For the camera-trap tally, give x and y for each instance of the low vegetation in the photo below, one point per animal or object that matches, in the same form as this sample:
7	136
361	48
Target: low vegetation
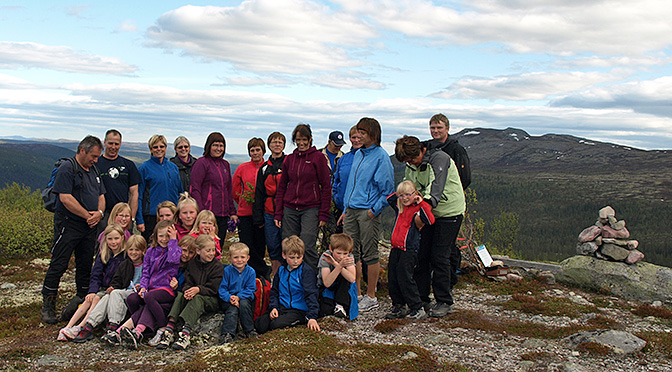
26	228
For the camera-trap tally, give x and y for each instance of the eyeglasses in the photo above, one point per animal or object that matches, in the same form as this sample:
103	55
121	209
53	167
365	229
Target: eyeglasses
156	147
405	195
182	147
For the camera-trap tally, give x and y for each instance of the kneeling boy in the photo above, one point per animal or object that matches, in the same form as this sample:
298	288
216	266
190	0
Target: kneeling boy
294	292
236	294
336	279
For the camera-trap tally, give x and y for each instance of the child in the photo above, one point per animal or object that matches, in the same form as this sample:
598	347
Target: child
236	294
187	210
412	214
155	297
294	292
166	210
110	256
206	223
203	275
113	305
336	279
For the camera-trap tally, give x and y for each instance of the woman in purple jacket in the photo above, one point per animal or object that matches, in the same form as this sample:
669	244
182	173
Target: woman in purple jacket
303	197
211	183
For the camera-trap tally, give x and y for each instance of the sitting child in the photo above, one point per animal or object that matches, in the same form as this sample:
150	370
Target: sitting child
236	294
412	214
336	279
294	292
203	275
206	224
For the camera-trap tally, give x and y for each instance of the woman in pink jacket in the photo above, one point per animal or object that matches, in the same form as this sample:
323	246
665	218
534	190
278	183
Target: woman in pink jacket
211	182
303	198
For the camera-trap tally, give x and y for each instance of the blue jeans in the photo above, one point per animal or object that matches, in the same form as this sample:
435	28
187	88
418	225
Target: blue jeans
273	238
232	314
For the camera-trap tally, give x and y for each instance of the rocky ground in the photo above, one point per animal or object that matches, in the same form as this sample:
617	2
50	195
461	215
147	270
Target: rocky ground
493	327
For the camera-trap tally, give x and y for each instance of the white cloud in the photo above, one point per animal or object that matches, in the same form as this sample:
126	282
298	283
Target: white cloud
530	86
252	81
127	26
14	55
623	61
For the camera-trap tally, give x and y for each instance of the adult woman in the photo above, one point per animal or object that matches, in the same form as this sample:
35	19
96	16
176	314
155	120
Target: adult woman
263	210
159	181
244	182
342	171
211	182
303	198
183	160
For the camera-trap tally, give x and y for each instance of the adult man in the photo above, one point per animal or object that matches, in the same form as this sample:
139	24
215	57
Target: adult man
438	128
79	208
436	178
332	151
119	175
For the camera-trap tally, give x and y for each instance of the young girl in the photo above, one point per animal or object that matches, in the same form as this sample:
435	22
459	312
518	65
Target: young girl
187	209
113	305
206	223
166	211
110	256
155	297
412	214
120	215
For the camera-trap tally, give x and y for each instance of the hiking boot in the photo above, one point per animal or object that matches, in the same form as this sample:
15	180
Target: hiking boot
339	312
71	332
182	342
154	341
398	312
226	338
166	339
440	310
429	305
49	309
130	338
367	304
71	308
417	314
111	338
252	334
84	335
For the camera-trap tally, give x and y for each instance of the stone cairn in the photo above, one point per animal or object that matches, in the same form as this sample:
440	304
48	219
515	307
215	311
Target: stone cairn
607	239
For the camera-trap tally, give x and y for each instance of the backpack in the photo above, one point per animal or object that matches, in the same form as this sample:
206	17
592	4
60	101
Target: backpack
49	197
262	296
461	159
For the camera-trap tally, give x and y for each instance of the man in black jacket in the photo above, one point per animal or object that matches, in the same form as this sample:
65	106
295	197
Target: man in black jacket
438	128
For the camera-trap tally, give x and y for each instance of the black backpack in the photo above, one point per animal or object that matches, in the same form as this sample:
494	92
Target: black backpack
49	197
461	159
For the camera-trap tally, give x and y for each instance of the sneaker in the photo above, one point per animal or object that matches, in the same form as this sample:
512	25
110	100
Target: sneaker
130	338
398	312
111	338
252	334
154	341
440	310
61	335
367	304
182	341
429	305
83	336
339	312
71	333
417	314
226	338
167	338
359	298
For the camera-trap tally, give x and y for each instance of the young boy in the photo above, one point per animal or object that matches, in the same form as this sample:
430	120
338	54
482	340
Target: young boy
236	294
336	279
294	292
202	277
412	214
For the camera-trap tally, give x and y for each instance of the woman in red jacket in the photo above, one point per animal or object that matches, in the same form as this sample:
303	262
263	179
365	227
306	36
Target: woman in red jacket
244	183
303	198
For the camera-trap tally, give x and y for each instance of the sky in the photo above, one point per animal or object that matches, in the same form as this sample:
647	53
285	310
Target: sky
597	69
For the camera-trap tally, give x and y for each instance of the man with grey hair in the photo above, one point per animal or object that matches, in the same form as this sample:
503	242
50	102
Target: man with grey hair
79	208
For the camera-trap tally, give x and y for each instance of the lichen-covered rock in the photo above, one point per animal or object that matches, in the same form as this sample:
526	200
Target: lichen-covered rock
618	225
609	232
614	251
606	212
642	281
586	249
589	234
634	257
619	342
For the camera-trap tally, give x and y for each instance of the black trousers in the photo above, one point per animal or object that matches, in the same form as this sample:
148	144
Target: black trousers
401	285
255	239
286	318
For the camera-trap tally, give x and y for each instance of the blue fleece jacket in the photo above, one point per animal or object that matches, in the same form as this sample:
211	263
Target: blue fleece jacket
296	289
234	282
159	181
102	273
371	180
341	175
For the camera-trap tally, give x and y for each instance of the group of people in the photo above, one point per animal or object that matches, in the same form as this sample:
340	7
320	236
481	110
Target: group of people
183	207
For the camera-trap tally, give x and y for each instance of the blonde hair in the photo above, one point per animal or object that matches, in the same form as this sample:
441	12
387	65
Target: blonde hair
167	204
118	208
405	187
137	241
239	247
105	251
153	140
153	239
293	245
203	215
342	242
188	242
202	240
185	200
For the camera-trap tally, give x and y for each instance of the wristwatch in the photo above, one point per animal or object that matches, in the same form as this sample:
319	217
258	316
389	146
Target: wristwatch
102	214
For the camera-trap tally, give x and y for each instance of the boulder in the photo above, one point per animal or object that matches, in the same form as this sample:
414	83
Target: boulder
606	212
614	252
619	342
609	232
586	249
618	225
634	257
642	281
589	234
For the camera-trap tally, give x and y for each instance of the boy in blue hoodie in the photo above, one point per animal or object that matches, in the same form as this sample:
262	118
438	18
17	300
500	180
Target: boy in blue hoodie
293	298
236	294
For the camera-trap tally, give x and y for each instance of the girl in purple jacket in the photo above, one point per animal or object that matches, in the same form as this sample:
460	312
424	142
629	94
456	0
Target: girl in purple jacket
155	297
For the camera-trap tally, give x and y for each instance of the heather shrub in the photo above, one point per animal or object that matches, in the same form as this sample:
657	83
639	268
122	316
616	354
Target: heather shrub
26	228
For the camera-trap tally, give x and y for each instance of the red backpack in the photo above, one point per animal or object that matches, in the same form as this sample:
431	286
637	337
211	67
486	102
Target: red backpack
262	295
